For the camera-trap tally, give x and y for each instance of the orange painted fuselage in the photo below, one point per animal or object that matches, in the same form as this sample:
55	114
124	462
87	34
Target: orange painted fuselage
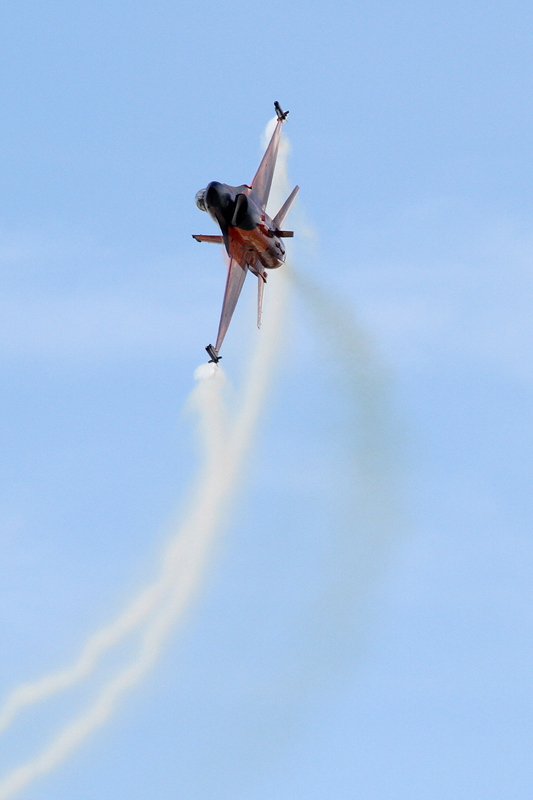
259	244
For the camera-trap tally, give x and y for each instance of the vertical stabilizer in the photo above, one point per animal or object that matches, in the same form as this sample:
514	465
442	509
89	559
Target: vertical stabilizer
279	219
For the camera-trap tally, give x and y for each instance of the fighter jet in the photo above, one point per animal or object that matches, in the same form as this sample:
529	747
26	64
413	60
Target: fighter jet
251	238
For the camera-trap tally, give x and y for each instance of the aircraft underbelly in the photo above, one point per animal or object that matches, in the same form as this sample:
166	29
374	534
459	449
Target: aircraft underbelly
250	246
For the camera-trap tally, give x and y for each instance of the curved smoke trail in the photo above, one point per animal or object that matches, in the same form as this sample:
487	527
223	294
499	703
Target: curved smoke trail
226	444
207	400
224	461
373	516
328	634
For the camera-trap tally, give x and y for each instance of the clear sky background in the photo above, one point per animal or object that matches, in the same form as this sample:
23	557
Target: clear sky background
410	127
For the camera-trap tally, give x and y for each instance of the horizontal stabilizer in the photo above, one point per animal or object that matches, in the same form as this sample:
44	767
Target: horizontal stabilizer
213	239
279	219
285	234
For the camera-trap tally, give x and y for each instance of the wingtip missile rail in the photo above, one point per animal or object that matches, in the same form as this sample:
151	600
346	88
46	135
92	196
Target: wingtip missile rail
282	115
215	358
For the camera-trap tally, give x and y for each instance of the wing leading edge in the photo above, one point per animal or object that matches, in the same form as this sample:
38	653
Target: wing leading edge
263	177
234	282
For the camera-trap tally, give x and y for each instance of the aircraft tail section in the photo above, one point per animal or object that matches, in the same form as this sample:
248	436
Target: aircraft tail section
279	219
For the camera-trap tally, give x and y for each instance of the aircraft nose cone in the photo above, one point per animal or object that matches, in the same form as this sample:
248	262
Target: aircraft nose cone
200	200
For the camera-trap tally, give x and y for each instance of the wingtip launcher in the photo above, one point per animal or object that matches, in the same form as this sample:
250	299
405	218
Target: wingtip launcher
215	358
282	115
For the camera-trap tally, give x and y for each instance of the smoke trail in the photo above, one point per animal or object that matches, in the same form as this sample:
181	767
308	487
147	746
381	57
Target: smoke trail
326	637
226	444
210	407
214	429
209	505
373	514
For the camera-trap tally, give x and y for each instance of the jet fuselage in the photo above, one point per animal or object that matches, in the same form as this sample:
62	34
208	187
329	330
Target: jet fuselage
252	239
249	233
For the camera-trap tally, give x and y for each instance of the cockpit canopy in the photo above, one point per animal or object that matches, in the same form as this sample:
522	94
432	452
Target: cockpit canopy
200	200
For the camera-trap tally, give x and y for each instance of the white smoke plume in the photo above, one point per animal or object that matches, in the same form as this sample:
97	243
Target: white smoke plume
208	400
227	441
373	513
227	438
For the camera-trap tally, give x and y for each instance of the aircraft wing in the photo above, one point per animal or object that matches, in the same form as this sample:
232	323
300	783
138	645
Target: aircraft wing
234	282
263	178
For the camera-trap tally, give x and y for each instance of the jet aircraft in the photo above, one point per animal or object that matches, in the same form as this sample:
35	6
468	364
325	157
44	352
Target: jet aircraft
251	238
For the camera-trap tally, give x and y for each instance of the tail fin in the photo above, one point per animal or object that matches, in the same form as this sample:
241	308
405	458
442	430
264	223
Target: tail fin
279	219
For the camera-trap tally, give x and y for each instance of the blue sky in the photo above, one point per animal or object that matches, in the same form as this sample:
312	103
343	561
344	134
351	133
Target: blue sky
410	133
